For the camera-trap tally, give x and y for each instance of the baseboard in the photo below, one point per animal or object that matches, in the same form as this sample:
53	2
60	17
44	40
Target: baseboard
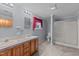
67	45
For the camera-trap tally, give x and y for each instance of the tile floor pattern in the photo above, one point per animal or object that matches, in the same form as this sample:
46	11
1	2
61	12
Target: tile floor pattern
46	49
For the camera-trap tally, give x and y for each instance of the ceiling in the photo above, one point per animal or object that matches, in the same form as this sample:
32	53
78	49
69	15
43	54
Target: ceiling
44	9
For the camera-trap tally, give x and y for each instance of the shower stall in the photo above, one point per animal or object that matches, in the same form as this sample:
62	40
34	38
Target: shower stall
65	31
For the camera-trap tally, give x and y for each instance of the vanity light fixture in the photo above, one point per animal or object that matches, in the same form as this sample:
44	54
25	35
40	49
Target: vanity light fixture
8	4
6	22
27	12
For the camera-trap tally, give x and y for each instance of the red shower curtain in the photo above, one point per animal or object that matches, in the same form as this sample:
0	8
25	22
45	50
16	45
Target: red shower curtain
35	20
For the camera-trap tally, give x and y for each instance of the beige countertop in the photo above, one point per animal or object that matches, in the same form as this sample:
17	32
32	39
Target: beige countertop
14	41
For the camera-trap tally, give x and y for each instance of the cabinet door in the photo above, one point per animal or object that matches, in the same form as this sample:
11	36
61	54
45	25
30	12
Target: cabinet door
32	46
26	48
18	50
6	52
36	43
27	52
27	44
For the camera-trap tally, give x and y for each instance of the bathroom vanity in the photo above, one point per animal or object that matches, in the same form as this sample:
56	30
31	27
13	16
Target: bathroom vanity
25	46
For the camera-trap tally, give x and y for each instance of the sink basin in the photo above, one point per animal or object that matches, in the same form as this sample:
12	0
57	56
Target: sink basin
1	43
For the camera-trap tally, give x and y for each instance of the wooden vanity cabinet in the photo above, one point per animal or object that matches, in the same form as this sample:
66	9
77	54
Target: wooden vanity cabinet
27	48
7	52
22	49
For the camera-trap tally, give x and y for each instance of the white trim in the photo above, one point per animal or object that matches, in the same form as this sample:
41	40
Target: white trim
51	29
68	45
78	32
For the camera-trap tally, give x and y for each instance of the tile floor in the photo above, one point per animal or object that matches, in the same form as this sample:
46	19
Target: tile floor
46	49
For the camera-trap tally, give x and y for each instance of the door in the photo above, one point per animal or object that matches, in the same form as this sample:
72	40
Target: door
18	50
26	48
32	46
6	52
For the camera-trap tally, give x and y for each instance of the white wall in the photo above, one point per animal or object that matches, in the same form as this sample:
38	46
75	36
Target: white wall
18	20
78	31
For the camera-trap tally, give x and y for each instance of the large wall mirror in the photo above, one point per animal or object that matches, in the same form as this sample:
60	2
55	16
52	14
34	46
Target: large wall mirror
6	22
6	18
